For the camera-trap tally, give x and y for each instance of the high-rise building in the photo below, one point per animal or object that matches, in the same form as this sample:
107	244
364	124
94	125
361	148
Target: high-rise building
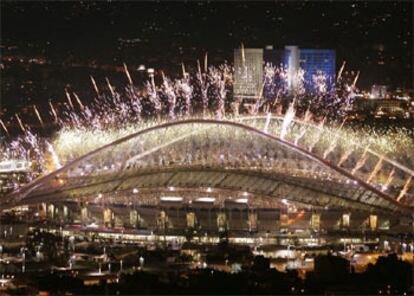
314	60
248	76
378	91
248	72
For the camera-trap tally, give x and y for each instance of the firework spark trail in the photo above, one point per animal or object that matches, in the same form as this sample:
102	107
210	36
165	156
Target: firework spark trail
34	143
38	115
268	118
4	126
300	135
405	188
153	96
334	142
318	136
307	118
283	81
111	89
52	108
289	116
301	81
389	180
183	70
55	157
115	109
170	94
95	87
127	74
259	100
345	156
203	87
69	99
198	69
186	90
340	71
221	99
276	101
376	169
206	63
220	88
331	147
270	88
361	161
20	123
79	101
134	100
355	81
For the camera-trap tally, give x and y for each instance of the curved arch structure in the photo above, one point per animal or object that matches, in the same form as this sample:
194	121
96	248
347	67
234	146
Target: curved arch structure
301	123
194	158
381	171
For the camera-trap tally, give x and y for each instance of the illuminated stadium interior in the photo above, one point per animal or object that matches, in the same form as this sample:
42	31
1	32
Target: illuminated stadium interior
199	162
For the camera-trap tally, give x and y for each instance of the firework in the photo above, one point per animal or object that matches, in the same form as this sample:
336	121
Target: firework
20	123
95	87
405	188
38	115
69	99
389	179
169	92
289	116
361	161
127	74
52	108
376	169
340	71
4	127
268	117
355	80
116	113
78	100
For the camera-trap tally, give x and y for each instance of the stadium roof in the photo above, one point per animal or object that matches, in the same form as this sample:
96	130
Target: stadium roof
197	158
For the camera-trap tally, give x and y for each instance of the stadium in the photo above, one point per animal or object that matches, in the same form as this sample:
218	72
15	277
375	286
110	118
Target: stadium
251	177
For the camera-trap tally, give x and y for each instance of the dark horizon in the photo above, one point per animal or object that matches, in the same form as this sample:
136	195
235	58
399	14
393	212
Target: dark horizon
372	37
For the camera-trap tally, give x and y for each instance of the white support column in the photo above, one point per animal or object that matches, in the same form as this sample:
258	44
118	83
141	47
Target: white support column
252	217
316	221
162	220
221	221
51	211
84	215
133	218
191	220
108	217
373	222
346	220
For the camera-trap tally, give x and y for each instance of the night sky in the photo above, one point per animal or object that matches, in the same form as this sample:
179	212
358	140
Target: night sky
374	37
